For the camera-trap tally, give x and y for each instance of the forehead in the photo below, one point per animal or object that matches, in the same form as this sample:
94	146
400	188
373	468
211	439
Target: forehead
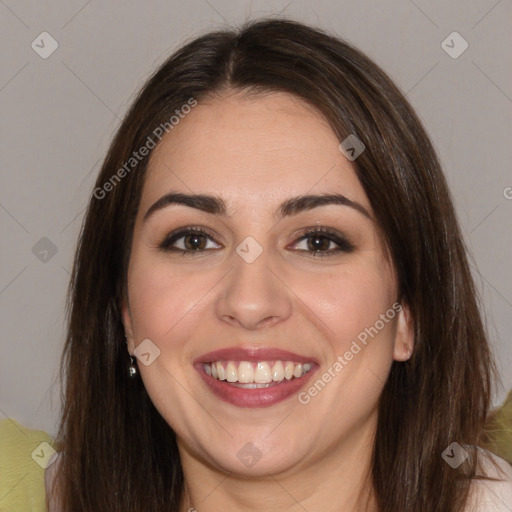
255	151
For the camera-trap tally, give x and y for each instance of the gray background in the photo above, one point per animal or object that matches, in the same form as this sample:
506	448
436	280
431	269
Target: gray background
59	114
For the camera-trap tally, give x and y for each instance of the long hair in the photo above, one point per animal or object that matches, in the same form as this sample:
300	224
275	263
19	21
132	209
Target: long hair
118	454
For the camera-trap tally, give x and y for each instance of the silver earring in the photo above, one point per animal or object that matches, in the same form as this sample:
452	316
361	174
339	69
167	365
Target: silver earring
132	370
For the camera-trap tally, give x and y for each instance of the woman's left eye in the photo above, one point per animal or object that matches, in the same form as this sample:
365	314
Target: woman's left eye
318	242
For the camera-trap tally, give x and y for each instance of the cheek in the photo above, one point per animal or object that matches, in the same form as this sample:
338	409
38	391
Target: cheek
357	308
164	301
348	301
166	308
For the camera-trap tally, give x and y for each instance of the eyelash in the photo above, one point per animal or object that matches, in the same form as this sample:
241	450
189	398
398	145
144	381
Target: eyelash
319	232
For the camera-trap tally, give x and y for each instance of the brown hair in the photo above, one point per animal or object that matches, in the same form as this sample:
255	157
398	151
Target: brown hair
118	452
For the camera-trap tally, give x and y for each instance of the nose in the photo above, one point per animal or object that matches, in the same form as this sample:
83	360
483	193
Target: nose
253	294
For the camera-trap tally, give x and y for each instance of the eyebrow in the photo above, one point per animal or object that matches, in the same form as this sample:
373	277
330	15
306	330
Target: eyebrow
215	205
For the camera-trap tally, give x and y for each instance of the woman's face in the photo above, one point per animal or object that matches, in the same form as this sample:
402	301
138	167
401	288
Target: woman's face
301	329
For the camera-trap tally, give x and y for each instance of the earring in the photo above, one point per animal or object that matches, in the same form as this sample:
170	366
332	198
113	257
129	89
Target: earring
132	370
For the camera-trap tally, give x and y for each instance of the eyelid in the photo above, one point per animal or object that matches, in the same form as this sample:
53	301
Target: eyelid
165	244
343	243
341	240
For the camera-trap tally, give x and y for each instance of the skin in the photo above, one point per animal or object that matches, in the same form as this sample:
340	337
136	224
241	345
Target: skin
256	152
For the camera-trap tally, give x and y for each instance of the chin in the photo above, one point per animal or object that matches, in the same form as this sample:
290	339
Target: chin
254	456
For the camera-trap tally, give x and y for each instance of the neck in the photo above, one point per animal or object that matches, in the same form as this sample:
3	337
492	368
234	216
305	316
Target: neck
337	480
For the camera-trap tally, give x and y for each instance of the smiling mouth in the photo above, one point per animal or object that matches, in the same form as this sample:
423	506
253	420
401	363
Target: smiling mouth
256	374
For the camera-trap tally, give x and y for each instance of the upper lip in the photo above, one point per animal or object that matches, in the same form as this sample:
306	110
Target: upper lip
253	354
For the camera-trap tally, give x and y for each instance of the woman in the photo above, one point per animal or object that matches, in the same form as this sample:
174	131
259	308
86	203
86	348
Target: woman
271	305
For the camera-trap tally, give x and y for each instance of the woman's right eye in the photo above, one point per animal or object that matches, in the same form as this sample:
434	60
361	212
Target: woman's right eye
188	241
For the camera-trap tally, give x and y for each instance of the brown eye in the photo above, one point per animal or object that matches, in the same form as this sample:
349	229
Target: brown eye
324	242
188	241
318	243
194	242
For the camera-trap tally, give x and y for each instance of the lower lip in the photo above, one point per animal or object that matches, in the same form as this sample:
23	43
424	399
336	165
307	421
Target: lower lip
260	397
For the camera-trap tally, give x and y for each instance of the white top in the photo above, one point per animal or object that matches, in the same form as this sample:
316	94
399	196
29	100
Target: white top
488	495
485	495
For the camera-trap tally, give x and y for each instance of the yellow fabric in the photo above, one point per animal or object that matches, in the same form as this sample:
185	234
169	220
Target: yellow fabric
499	430
24	453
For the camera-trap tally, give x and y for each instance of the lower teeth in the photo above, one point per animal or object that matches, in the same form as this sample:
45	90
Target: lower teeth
252	385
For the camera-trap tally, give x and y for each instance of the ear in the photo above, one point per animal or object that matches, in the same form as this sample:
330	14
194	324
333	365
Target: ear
127	322
404	340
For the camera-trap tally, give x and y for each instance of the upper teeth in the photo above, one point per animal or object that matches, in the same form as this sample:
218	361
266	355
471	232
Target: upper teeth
260	372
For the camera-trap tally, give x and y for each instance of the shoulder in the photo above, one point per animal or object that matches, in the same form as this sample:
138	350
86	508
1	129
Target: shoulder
491	495
23	457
